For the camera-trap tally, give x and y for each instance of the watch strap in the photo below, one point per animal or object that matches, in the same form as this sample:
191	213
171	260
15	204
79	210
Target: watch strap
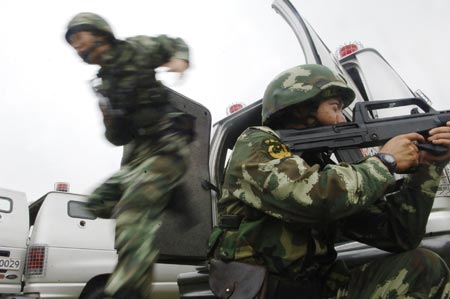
388	160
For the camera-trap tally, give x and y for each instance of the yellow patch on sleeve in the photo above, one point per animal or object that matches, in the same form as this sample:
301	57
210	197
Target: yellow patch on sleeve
276	149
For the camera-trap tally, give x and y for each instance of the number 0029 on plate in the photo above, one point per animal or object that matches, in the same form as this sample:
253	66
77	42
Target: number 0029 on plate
7	263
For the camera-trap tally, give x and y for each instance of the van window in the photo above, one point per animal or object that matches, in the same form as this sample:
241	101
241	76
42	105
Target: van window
5	205
77	209
374	77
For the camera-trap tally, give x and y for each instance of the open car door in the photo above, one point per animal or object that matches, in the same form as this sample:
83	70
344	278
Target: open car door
187	222
365	70
315	51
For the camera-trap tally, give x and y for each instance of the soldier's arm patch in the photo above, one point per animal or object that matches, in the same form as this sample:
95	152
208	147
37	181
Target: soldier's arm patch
276	149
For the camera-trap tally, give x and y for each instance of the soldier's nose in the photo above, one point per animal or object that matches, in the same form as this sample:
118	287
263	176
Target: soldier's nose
341	118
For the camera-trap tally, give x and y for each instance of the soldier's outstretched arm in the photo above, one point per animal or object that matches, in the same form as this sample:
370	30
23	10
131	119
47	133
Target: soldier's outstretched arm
177	52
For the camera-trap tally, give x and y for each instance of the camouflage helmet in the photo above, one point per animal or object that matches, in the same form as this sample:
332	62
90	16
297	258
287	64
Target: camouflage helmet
88	21
303	84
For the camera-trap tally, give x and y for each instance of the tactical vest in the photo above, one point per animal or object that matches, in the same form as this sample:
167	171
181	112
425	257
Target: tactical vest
136	102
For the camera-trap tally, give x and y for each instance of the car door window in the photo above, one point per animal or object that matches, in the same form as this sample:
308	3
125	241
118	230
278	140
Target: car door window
77	209
5	205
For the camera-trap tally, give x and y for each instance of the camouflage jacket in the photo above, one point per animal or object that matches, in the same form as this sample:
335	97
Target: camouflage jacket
132	99
290	210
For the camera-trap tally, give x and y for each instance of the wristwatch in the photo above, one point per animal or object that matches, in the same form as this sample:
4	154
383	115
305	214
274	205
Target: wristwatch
388	160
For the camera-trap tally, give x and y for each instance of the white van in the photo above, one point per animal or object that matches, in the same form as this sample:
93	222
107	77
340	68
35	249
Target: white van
13	223
67	253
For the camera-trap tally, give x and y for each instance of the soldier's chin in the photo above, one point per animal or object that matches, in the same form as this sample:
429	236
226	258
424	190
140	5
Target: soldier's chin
87	57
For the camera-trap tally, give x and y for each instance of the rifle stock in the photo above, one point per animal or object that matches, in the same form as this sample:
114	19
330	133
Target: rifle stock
365	131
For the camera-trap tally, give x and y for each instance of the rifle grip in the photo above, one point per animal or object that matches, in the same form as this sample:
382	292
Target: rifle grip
434	149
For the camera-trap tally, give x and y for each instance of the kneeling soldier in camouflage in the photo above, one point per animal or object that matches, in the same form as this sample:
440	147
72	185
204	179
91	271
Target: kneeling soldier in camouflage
281	213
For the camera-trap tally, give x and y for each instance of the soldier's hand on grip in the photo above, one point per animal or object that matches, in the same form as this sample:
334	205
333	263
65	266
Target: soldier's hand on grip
440	136
404	150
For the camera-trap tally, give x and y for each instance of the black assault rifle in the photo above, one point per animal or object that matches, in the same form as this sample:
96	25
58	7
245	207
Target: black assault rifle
366	131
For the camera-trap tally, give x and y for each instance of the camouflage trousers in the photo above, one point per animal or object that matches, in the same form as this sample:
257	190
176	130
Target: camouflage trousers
136	197
418	273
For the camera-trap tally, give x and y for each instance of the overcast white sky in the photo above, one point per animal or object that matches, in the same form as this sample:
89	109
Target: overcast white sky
49	121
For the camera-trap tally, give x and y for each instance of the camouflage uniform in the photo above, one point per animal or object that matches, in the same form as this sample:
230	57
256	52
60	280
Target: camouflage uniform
293	208
137	114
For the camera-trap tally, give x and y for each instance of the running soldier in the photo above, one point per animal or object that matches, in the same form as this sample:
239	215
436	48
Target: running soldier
156	136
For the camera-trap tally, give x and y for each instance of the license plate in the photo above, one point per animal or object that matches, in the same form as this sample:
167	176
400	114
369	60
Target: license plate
7	263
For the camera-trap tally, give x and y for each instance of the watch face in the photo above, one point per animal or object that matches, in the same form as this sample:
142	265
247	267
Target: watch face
389	158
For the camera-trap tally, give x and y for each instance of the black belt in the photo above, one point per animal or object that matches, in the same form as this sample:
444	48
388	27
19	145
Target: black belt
230	221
